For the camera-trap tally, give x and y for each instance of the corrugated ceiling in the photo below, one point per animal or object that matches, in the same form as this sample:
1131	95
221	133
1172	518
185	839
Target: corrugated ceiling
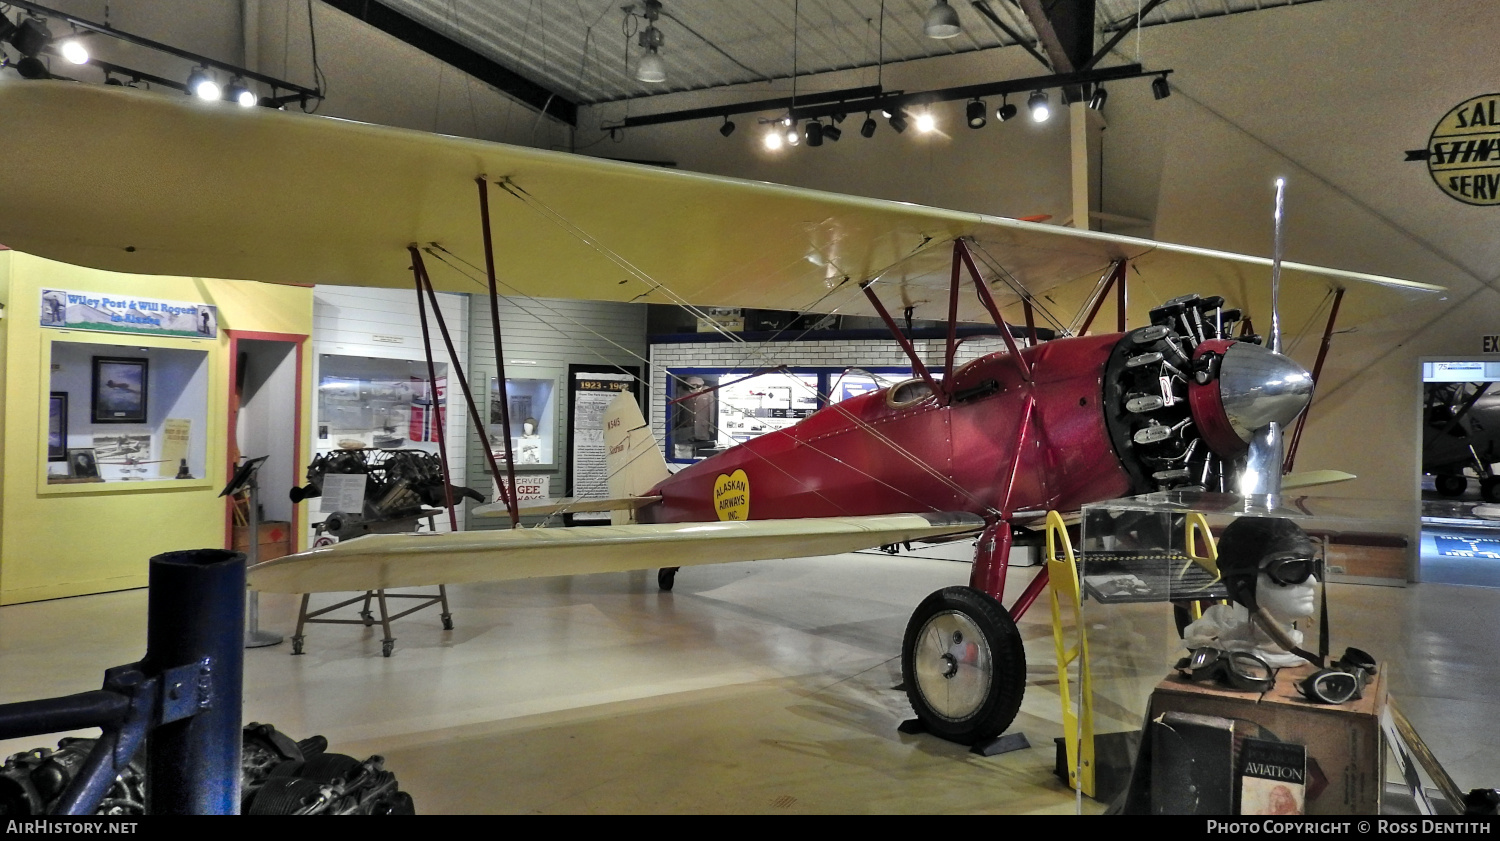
581	50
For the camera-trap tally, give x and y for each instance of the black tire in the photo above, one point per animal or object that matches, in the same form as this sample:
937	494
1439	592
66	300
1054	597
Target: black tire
975	695
1451	486
666	577
1489	489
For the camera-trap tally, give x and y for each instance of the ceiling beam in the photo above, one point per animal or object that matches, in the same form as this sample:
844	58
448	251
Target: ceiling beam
457	55
1066	30
1121	33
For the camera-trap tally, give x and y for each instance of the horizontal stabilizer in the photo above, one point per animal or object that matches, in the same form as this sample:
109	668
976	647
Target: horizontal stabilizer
1311	478
414	560
568	505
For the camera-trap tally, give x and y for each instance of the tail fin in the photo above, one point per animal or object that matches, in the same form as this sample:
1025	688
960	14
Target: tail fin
634	461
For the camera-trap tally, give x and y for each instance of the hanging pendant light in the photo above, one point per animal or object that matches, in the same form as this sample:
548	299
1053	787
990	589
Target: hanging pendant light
942	21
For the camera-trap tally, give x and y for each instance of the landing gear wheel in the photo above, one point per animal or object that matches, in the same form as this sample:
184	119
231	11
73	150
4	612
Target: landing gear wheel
447	621
1489	489
1451	486
386	647
368	617
666	577
297	644
963	665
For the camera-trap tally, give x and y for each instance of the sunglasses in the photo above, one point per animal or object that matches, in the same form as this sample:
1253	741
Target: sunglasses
1239	669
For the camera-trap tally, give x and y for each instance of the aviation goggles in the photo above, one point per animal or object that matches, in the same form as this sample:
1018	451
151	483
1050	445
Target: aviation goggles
1239	669
1342	682
1292	568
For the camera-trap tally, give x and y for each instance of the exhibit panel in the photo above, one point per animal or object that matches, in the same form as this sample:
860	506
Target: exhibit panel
752	398
713	409
115	386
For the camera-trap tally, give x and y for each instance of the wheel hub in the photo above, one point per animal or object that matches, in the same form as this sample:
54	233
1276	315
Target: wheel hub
953	666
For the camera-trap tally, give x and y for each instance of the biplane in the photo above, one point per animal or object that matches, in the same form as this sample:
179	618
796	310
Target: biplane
136	182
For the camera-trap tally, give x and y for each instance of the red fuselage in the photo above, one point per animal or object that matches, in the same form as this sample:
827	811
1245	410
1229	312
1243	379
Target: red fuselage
904	449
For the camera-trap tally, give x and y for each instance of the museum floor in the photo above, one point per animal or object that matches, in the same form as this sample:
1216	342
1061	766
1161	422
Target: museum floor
753	688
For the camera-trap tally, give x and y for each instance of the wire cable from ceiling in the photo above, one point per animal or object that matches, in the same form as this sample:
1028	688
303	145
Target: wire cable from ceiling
320	81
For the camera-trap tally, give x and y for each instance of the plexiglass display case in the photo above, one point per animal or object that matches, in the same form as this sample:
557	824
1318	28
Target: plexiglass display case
1147	566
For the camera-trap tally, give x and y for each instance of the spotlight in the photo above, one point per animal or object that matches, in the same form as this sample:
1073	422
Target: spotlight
728	127
74	51
651	69
1159	88
1100	97
202	85
793	137
898	121
31	37
832	133
942	21
7	28
975	113
868	128
237	92
814	133
1037	102
1005	111
31	67
110	80
926	123
838	117
773	140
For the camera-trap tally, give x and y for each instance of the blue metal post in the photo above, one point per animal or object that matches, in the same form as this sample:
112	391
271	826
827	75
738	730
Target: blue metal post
196	615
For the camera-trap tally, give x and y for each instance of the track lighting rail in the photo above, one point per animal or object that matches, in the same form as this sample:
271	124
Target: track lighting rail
297	92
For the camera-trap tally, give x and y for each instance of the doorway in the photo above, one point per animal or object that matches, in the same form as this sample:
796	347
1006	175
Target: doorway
265	414
1460	472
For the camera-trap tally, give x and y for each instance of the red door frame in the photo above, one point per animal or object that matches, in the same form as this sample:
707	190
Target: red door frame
299	341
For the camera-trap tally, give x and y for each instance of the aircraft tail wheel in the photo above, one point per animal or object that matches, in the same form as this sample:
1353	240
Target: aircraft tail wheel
666	577
963	665
1489	489
1451	486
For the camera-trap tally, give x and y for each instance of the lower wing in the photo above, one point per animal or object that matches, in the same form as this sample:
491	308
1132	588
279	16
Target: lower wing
379	561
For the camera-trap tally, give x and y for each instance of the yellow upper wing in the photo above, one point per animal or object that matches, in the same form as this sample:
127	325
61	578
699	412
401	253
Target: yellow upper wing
141	182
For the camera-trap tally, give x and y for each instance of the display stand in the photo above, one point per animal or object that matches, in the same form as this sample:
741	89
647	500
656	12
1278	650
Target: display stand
1344	743
367	617
244	479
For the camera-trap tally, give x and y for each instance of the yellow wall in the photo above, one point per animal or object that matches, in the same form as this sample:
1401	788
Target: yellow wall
67	540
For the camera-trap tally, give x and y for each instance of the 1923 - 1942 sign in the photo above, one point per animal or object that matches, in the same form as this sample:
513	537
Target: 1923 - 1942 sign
1463	153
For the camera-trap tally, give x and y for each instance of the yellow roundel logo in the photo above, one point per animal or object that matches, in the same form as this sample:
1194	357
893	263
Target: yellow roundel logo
1463	154
732	496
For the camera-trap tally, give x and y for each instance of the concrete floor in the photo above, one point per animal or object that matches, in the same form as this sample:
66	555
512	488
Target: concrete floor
752	688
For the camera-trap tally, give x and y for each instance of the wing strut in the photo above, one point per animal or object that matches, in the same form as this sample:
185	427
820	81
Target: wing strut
1116	276
916	361
489	268
961	253
439	421
424	284
1333	315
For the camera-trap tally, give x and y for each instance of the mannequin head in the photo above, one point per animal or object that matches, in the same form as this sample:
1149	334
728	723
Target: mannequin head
528	426
1268	562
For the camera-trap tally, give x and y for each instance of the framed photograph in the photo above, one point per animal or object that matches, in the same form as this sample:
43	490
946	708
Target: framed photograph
119	390
57	427
81	463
